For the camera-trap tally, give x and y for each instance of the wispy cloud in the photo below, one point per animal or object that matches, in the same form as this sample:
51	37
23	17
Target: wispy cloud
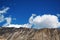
8	21
2	18
4	10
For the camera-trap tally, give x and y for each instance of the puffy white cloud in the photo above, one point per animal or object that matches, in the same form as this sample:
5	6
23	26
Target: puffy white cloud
44	21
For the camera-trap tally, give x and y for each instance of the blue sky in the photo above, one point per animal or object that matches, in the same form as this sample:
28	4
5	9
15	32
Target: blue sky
23	9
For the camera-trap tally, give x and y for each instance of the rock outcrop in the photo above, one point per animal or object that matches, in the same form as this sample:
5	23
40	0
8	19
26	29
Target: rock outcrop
29	34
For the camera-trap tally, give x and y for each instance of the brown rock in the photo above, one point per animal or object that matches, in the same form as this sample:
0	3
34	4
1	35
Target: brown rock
29	34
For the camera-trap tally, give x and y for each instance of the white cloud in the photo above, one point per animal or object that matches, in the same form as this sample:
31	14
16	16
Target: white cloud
8	21
4	10
1	18
18	25
13	25
31	18
44	21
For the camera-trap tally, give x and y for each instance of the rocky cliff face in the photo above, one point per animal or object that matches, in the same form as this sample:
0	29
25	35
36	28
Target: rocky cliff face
29	34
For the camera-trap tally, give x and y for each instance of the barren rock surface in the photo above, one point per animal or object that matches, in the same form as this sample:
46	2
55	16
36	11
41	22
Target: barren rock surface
29	34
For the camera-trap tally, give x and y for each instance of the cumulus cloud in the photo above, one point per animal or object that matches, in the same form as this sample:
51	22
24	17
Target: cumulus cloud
44	21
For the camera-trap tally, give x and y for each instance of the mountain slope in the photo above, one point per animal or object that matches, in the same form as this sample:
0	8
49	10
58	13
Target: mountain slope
29	34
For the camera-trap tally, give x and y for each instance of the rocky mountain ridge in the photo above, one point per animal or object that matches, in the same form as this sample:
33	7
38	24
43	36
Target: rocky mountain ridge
29	34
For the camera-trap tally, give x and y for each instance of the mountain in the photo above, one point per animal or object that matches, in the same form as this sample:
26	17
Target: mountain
29	34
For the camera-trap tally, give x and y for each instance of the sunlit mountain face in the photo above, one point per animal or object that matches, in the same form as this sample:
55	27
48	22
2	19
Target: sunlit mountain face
30	14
